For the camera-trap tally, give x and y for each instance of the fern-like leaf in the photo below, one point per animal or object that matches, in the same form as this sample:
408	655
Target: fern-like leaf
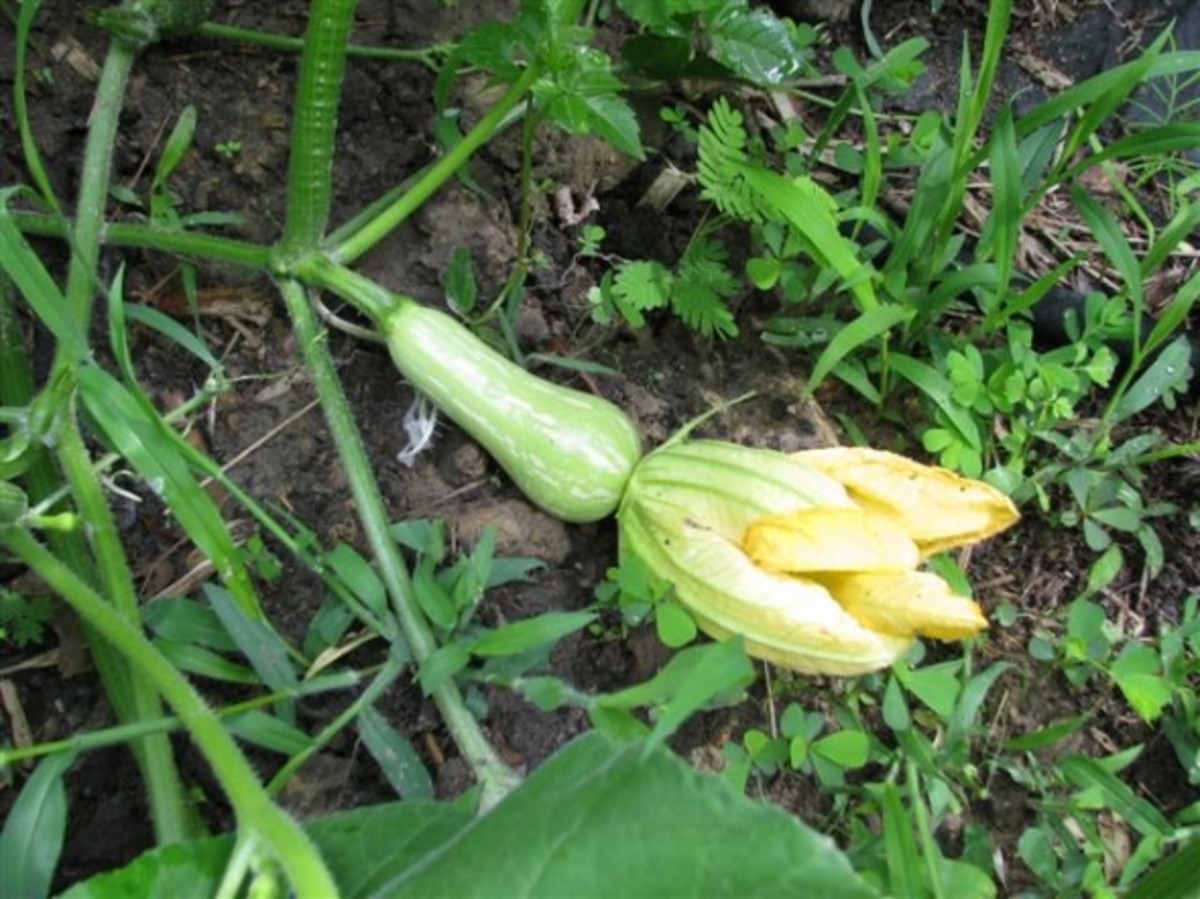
703	287
639	286
722	163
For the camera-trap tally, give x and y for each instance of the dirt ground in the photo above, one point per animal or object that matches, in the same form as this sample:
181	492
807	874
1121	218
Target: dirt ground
665	377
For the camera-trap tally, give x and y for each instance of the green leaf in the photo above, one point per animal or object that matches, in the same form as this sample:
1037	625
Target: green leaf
395	756
459	282
935	685
686	683
862	330
1169	373
1087	774
900	847
196	659
809	209
846	748
520	636
635	819
173	331
754	45
1174	878
268	731
34	830
443	663
160	456
1048	735
357	845
259	642
187	621
674	624
638	286
357	574
21	263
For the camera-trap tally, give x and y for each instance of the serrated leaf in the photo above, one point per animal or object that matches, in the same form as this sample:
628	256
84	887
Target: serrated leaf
641	285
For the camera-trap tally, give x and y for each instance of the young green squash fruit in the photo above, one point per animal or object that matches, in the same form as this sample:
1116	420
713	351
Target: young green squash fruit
571	453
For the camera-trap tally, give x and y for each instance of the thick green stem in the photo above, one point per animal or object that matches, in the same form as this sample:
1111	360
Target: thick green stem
132	698
437	175
496	778
255	811
314	124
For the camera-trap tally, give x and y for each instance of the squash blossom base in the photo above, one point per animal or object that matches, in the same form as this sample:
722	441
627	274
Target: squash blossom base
811	557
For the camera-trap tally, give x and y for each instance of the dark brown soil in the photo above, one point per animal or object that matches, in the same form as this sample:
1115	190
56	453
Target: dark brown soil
664	377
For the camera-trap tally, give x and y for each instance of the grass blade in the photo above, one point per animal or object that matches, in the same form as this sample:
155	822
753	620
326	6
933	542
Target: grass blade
137	432
865	328
397	759
1086	774
33	833
903	860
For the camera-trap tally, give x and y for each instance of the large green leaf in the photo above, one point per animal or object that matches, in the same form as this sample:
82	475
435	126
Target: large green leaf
598	819
355	844
632	820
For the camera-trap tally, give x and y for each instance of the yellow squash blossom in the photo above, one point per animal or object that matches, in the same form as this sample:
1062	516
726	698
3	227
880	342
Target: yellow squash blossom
811	557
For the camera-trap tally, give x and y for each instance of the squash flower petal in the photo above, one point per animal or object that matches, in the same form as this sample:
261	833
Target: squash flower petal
815	573
936	507
830	539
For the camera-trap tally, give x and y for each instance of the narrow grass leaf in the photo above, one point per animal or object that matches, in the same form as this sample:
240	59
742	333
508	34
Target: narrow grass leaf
962	719
395	756
900	847
20	262
1150	143
807	207
1175	878
173	331
363	581
1175	314
521	636
1004	223
1047	736
139	434
1108	234
1087	774
199	660
34	830
862	330
268	732
1104	106
266	651
187	621
33	157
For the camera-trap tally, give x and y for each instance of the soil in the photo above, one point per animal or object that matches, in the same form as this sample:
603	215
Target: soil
665	376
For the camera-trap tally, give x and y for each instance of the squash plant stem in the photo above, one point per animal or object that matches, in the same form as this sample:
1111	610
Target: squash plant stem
133	698
495	777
